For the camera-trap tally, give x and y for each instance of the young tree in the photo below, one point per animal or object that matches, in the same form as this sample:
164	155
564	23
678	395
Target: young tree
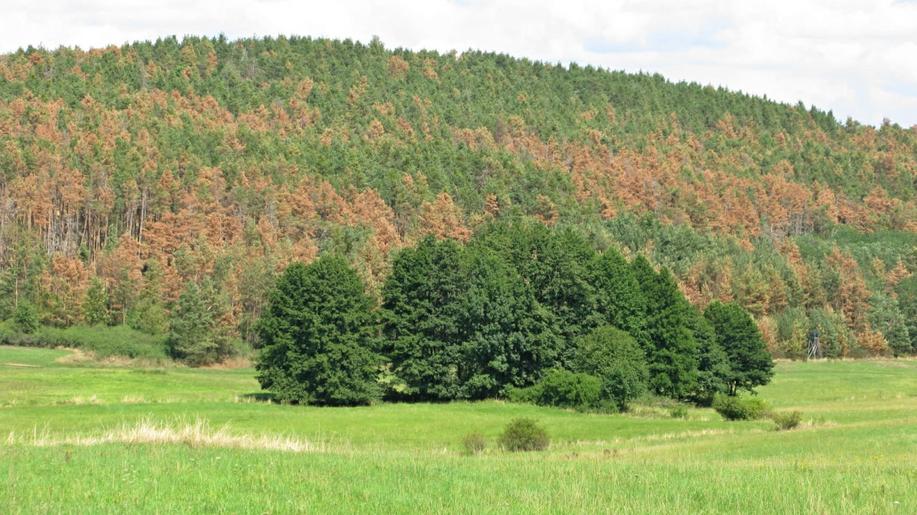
886	317
26	317
750	363
195	335
95	307
318	337
148	314
907	303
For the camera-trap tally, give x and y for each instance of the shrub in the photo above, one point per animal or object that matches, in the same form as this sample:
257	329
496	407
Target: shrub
530	395
739	408
102	341
564	389
474	443
678	412
786	420
617	360
523	434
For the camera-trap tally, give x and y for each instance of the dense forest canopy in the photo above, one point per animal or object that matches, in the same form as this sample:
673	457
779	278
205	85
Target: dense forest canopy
133	176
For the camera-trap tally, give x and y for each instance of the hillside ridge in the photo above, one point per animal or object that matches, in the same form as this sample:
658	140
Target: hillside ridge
135	170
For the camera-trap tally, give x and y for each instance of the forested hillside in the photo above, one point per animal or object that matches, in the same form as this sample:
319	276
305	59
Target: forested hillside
131	175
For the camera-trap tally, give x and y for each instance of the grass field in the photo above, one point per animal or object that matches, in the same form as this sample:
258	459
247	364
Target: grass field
80	437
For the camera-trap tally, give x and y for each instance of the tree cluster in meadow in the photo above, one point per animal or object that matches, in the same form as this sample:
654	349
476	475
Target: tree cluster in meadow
520	309
164	186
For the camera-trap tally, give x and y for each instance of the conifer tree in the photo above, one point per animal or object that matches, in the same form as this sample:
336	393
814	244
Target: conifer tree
195	334
319	338
421	311
671	347
95	307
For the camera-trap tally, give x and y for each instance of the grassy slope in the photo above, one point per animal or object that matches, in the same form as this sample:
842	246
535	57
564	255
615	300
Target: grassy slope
856	453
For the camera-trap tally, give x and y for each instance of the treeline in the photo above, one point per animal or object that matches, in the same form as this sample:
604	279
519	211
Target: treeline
138	182
517	304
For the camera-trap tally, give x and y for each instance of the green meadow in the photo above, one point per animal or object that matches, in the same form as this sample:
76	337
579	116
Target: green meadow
78	436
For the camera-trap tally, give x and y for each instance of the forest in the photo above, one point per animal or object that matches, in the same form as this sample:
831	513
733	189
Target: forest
156	192
521	311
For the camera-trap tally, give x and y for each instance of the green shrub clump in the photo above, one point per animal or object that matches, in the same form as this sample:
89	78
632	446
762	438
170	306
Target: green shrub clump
563	389
101	340
523	434
474	443
739	408
786	420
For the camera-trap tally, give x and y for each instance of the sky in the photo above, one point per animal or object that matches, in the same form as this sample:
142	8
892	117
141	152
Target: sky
857	58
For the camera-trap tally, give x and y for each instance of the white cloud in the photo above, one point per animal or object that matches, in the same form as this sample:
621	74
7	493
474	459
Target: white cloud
858	58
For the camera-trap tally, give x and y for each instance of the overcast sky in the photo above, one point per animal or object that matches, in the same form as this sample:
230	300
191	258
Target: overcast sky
855	57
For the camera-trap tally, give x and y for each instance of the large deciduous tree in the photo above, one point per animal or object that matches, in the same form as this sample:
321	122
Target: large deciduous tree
507	335
619	300
616	358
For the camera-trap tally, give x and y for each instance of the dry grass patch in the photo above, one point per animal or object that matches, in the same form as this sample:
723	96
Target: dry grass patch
196	434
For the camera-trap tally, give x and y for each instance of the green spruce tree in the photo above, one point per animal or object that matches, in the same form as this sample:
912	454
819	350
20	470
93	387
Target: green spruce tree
319	337
421	311
671	346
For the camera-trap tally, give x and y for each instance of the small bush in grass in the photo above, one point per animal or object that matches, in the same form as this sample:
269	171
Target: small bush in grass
523	434
474	443
678	411
739	408
787	420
